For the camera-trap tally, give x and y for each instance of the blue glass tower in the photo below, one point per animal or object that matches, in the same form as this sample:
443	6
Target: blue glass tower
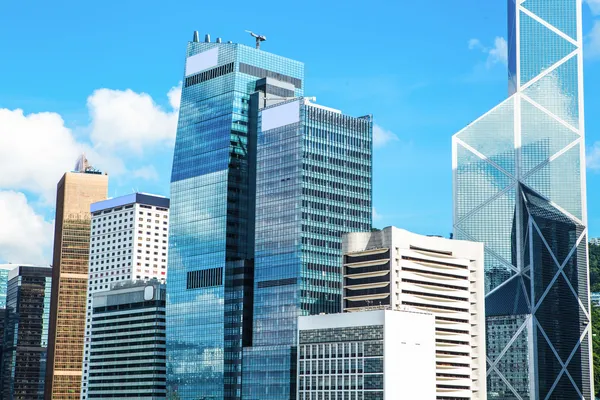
209	295
519	187
313	184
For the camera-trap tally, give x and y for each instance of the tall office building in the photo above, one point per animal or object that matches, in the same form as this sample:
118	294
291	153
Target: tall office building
209	302
396	269
26	332
313	184
128	242
4	271
519	187
75	192
127	342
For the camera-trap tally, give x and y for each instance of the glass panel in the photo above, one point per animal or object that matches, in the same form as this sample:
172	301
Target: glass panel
558	92
562	14
493	135
542	136
548	366
497	389
540	48
477	181
579	367
559	181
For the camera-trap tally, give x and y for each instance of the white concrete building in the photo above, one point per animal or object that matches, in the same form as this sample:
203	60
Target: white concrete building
128	242
395	269
370	355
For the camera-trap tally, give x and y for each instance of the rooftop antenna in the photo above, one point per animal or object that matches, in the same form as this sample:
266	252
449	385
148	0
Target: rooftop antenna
259	38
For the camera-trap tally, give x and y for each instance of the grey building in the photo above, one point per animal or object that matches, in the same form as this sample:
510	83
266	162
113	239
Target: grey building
26	332
127	349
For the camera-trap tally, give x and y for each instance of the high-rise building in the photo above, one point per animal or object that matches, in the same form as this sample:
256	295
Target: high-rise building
26	332
396	269
369	355
209	306
313	184
519	187
4	271
127	342
128	242
75	192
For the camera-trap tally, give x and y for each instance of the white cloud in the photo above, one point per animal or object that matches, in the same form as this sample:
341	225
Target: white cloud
381	136
124	119
594	6
376	215
35	150
25	237
592	159
592	49
147	172
497	54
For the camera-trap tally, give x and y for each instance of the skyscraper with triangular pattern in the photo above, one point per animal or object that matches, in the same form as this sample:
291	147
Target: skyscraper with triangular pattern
519	187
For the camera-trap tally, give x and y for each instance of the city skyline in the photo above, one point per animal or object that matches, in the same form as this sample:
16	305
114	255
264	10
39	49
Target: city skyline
419	137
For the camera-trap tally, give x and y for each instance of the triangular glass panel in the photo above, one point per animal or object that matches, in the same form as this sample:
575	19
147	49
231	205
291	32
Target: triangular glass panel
579	367
542	136
508	299
536	40
575	270
493	135
564	390
544	268
561	14
477	181
496	271
514	364
492	224
500	330
558	92
560	181
560	317
560	231
549	367
497	389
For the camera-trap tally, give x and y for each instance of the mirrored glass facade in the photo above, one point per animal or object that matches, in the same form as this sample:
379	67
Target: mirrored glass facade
26	333
211	247
313	184
519	187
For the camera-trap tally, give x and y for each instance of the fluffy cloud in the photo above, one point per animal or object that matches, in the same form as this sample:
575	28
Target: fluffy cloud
25	237
592	48
497	54
126	119
36	149
381	136
147	172
592	159
594	6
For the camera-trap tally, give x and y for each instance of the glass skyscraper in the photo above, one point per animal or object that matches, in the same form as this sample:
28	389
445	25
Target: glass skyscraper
211	248
313	184
26	332
519	187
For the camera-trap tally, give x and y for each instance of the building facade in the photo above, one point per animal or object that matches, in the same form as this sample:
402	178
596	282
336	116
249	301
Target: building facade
313	184
4	271
209	303
396	269
128	242
369	355
519	187
25	347
75	192
127	356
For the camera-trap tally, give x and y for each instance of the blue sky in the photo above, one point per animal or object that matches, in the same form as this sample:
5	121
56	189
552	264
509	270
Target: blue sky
102	77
